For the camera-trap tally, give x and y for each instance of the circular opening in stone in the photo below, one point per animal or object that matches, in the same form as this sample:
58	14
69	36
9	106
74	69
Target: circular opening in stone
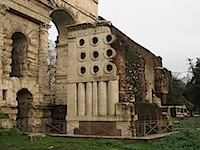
82	42
95	69
95	40
108	38
83	70
83	55
109	67
109	52
96	54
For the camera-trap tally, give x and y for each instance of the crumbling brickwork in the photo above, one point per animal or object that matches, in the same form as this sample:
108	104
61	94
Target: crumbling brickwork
138	68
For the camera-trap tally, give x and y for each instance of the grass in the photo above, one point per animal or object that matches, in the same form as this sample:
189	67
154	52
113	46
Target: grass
187	122
185	140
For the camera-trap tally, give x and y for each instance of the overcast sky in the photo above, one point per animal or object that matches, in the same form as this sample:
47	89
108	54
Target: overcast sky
168	28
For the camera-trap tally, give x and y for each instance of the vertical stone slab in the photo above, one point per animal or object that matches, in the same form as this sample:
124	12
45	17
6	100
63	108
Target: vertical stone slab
113	96
94	99
89	98
81	99
102	98
71	100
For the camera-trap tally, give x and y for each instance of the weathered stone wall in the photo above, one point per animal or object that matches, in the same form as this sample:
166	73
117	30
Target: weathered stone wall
24	41
137	69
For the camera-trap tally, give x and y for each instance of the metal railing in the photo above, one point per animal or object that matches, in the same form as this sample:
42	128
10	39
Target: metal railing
138	128
145	128
57	127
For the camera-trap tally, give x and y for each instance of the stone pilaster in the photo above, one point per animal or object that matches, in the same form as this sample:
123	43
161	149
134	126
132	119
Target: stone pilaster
113	97
3	10
43	54
95	99
102	98
89	98
81	99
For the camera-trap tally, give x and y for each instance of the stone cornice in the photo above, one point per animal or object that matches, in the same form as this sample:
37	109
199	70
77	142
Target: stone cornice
77	27
19	8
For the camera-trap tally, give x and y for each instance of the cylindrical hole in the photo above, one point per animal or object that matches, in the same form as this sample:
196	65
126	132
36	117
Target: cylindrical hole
109	67
109	53
83	70
108	38
83	55
96	54
95	69
95	40
81	42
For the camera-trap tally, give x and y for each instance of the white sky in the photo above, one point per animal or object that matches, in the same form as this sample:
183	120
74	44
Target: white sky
168	28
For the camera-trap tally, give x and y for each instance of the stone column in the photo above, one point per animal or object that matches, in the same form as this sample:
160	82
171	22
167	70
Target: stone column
102	98
43	55
94	99
71	100
81	99
113	96
89	98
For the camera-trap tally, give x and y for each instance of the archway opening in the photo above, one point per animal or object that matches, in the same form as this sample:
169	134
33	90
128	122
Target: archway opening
61	19
19	52
24	98
53	34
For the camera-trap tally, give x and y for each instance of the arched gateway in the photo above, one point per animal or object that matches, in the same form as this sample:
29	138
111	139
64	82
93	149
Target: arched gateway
106	84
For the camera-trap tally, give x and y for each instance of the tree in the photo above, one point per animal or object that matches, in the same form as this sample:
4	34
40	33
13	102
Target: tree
177	91
192	92
52	64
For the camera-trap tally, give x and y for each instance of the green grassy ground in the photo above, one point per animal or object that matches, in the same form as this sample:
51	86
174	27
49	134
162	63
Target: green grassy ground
185	140
187	122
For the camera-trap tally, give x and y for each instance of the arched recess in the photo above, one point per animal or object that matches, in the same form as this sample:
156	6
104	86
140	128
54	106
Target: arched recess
24	98
19	52
61	19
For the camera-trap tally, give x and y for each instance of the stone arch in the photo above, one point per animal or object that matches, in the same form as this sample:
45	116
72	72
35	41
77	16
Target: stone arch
24	99
28	84
19	54
61	19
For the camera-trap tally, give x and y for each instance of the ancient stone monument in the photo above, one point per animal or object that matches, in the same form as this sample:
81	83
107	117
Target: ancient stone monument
105	82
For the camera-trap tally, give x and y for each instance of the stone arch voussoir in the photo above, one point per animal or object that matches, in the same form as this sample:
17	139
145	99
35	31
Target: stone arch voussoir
25	83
